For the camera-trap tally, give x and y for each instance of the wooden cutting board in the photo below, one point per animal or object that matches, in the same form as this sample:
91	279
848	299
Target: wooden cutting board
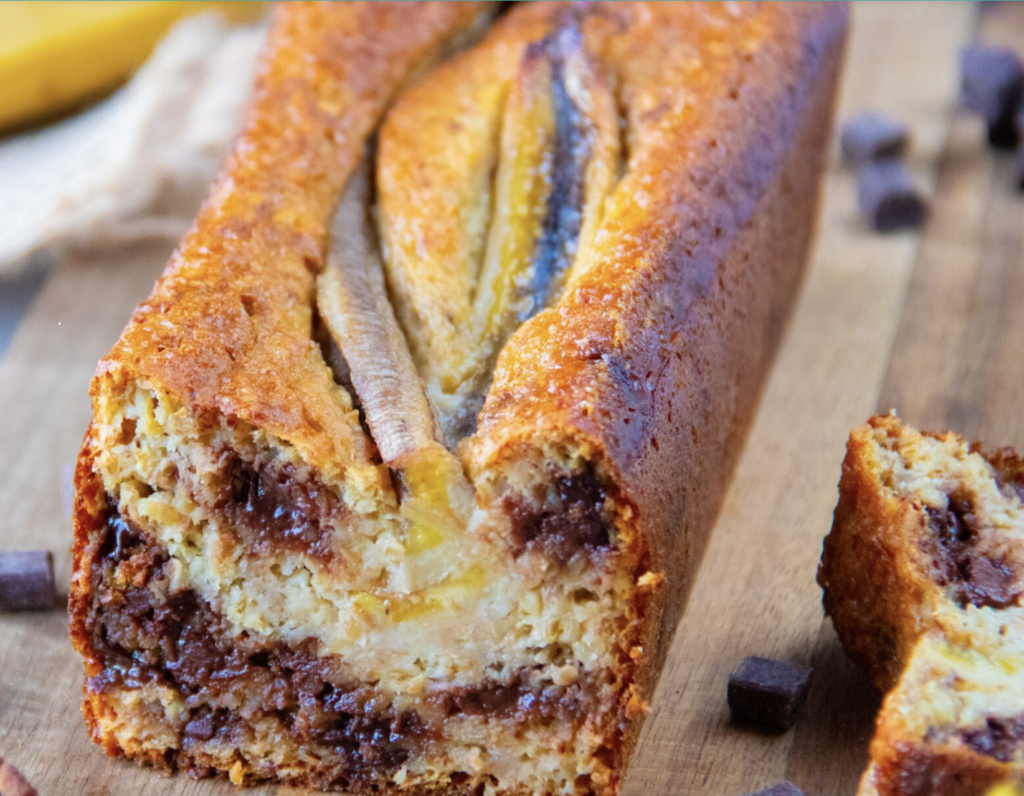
930	323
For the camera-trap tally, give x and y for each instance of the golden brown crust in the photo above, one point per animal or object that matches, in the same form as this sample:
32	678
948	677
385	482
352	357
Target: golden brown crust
650	364
877	573
228	326
903	767
875	590
87	524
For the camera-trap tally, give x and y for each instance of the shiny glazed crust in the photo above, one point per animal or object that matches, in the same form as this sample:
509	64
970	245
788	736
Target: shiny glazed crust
632	390
922	579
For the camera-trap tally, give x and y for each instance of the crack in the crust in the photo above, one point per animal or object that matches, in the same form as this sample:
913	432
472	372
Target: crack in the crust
336	363
557	155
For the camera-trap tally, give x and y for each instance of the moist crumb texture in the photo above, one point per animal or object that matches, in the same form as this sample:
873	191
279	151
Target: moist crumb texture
923	574
398	480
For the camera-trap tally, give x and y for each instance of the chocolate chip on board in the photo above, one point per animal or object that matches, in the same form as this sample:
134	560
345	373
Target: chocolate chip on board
767	693
872	136
782	789
992	85
887	197
1003	133
12	783
1018	165
26	580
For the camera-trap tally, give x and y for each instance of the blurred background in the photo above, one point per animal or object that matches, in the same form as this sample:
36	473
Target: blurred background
114	118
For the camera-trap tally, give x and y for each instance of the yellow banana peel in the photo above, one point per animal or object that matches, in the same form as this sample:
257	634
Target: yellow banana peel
1008	788
55	55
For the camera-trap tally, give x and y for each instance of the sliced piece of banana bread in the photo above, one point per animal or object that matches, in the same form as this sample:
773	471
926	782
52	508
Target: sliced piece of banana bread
923	574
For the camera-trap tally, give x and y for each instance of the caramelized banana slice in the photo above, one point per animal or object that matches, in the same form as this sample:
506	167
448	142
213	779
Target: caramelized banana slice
522	245
559	153
559	160
354	305
493	175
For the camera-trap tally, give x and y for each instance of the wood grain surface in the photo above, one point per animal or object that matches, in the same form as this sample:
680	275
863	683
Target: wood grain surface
930	323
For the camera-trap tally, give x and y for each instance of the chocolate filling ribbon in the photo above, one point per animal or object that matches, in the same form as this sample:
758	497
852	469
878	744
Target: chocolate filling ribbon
182	643
578	524
972	576
279	512
1000	738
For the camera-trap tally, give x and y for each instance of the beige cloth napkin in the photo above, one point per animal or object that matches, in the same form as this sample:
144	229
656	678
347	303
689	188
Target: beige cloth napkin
139	163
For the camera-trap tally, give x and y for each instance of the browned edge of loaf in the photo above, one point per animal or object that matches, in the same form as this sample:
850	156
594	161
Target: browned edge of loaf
879	585
767	261
655	362
656	359
905	768
874	589
227	328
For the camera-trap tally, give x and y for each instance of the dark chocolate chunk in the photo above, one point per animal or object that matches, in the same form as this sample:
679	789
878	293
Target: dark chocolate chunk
782	789
1000	738
969	574
992	85
990	583
768	693
1003	133
201	727
276	509
26	580
888	198
13	782
872	136
991	81
1018	170
578	524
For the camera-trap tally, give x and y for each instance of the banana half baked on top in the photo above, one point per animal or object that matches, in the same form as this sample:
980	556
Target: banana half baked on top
398	480
923	575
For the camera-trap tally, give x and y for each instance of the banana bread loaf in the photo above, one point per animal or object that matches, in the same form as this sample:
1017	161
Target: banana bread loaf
399	479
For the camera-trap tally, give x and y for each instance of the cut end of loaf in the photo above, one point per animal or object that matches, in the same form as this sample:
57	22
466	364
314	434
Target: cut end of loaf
249	615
